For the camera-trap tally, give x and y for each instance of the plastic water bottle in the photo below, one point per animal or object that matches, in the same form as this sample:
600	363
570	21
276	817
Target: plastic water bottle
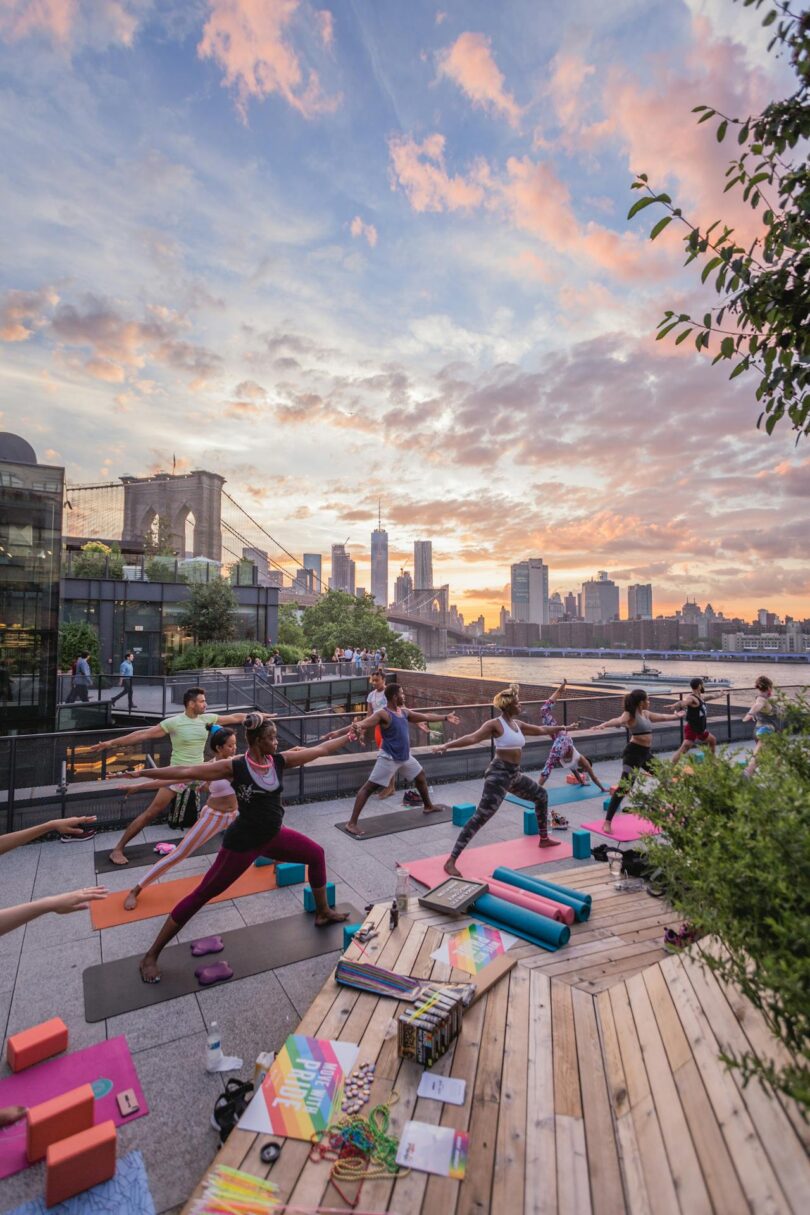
403	889
213	1048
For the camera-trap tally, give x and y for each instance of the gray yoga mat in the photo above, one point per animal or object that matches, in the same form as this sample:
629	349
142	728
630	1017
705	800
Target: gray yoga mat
117	987
401	820
140	855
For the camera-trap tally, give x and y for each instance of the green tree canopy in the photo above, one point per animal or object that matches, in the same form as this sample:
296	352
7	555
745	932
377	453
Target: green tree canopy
340	619
290	630
210	612
759	314
75	636
98	560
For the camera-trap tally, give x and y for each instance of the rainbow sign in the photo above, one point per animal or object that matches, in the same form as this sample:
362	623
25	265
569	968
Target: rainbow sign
303	1088
473	947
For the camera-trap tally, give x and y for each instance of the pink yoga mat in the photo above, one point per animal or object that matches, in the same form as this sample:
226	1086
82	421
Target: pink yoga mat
626	827
532	902
107	1066
478	863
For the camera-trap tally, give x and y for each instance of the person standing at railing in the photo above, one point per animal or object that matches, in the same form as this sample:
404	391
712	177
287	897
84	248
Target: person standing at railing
188	734
126	672
82	679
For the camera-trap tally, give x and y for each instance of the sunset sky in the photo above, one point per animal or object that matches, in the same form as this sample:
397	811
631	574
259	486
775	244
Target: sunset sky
377	249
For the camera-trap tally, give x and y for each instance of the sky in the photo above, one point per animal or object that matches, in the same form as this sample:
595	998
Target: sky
376	251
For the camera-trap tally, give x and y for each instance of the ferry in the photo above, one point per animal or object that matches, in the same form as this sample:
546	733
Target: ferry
653	677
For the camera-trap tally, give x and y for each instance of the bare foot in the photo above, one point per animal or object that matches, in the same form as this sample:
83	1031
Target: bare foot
353	829
131	901
12	1114
117	857
149	969
607	827
330	916
452	868
433	809
548	843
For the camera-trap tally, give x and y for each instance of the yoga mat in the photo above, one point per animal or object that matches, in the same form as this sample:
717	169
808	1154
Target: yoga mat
626	827
401	820
532	902
127	1193
478	863
160	897
526	924
117	987
558	795
144	854
581	904
107	1066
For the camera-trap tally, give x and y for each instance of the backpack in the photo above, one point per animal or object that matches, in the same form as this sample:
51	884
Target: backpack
184	808
634	863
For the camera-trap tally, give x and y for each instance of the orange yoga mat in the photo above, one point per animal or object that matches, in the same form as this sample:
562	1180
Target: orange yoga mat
160	897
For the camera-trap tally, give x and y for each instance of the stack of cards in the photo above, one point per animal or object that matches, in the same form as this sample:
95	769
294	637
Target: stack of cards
427	1030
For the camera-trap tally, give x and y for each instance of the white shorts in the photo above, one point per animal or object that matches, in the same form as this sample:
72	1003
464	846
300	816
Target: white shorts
386	769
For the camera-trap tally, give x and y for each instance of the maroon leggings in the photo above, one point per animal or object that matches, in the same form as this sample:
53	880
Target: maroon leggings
287	845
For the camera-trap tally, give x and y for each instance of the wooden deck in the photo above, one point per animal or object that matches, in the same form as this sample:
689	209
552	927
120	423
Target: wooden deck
593	1081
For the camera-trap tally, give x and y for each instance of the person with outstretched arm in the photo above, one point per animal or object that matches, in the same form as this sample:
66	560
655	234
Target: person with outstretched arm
638	720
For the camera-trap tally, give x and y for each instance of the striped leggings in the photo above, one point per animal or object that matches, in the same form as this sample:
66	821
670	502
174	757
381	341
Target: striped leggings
209	824
501	778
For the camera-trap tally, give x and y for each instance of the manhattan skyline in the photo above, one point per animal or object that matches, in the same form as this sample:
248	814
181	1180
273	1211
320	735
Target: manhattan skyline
375	253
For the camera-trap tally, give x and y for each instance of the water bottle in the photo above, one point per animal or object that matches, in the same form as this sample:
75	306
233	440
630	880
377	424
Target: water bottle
213	1048
403	889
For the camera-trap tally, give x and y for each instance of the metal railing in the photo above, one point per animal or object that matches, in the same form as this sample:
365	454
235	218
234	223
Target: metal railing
44	774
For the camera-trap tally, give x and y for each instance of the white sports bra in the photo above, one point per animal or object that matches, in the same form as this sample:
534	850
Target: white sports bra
220	788
511	739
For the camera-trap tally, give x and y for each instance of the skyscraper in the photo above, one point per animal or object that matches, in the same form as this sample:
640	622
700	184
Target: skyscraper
570	603
312	561
530	591
379	564
556	611
343	570
422	565
600	599
403	587
639	601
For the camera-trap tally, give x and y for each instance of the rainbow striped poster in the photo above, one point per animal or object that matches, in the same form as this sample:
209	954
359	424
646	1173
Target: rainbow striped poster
303	1089
471	948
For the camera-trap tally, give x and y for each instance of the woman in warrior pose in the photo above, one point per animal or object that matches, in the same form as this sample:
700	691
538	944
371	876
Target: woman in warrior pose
257	780
217	814
503	774
637	719
763	712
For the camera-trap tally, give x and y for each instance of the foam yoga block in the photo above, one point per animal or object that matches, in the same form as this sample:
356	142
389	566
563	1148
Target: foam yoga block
56	1119
581	842
558	795
527	924
530	826
264	860
309	897
532	902
206	945
40	1042
348	933
581	903
214	972
290	873
80	1162
462	813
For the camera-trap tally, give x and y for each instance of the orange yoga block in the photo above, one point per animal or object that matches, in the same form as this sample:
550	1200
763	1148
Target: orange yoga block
57	1119
77	1163
39	1042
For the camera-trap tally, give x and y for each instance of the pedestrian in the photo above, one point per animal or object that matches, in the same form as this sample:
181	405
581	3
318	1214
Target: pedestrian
126	672
82	678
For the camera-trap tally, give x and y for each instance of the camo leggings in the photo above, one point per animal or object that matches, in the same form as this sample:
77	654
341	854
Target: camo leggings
501	778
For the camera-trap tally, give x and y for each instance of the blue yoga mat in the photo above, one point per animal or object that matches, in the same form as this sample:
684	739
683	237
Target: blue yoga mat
538	929
127	1193
581	903
558	795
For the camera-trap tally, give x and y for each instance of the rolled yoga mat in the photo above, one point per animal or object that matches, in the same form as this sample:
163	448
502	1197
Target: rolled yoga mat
547	890
532	902
538	929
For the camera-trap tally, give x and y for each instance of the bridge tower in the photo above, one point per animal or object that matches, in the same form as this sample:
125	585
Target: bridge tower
189	505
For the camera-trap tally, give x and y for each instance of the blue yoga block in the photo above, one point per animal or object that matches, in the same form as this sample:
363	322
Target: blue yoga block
348	932
462	813
697	756
264	860
581	841
309	898
530	823
290	873
606	804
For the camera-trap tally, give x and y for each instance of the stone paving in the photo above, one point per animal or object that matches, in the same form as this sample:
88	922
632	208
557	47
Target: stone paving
41	967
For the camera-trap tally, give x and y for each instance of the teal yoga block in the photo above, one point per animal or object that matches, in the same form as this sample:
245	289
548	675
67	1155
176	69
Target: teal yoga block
290	873
581	841
530	826
605	804
264	860
462	813
309	898
697	756
348	933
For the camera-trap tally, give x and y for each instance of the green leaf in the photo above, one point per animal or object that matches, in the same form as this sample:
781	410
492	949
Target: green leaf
772	15
659	227
682	336
707	321
640	205
721	131
706	116
697	109
739	369
663	332
707	269
727	347
743	135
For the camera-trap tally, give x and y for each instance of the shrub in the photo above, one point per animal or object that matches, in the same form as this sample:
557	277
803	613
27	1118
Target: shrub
75	637
98	560
228	654
736	863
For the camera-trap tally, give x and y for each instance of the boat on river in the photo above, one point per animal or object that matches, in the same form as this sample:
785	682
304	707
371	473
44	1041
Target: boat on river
652	677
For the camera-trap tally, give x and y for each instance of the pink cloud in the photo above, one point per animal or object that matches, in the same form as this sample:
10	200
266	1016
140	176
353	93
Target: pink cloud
65	22
360	229
23	313
469	63
419	168
248	40
326	26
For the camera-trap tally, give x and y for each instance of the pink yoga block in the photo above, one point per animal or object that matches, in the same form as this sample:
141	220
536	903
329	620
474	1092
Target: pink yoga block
80	1162
40	1042
532	902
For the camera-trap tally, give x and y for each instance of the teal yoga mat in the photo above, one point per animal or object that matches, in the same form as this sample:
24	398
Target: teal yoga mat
558	795
581	903
538	929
